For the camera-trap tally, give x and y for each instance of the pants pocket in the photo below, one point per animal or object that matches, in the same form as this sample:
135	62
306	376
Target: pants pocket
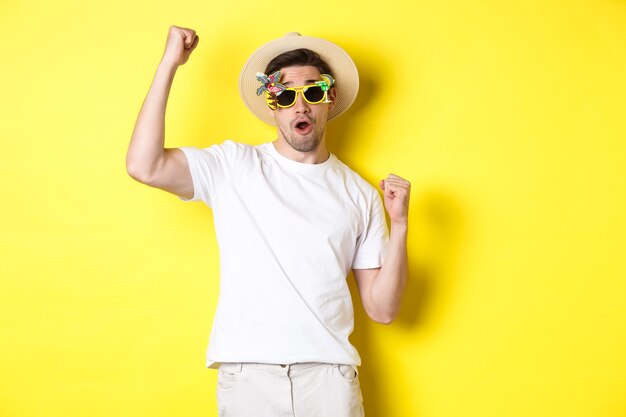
348	372
228	374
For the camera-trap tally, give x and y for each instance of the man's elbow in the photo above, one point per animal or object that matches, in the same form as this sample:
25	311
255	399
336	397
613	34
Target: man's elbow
137	172
139	177
383	318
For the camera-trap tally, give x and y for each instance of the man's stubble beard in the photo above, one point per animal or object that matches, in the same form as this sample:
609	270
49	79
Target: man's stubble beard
306	143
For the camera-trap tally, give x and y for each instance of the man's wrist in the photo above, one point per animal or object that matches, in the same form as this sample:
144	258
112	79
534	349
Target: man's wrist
168	65
399	225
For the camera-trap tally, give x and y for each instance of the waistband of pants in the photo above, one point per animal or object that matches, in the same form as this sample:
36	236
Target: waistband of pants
275	368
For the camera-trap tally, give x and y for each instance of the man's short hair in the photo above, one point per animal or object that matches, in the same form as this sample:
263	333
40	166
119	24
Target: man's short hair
298	57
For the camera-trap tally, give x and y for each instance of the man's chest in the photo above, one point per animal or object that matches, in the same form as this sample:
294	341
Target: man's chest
299	212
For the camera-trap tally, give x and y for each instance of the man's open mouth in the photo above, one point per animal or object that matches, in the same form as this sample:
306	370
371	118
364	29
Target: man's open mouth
303	127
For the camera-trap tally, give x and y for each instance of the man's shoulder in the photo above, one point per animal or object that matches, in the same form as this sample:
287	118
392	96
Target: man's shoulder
235	145
243	148
226	148
354	178
228	153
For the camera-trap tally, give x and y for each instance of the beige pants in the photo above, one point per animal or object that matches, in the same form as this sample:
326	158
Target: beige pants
295	390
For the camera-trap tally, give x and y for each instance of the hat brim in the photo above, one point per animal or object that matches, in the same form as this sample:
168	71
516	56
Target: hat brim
342	68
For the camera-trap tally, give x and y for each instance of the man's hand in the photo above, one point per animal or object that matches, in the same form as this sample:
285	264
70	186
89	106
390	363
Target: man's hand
180	44
396	192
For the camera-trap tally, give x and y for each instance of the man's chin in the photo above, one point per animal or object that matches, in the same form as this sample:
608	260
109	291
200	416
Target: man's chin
307	145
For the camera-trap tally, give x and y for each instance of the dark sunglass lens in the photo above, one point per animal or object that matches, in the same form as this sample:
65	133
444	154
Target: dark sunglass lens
314	94
286	97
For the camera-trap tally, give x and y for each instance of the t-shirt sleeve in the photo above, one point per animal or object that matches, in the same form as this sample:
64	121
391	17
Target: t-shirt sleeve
372	243
210	167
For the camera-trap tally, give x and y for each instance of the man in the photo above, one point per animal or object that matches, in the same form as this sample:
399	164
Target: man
291	221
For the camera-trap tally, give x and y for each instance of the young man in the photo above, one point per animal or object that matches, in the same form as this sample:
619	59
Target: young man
291	221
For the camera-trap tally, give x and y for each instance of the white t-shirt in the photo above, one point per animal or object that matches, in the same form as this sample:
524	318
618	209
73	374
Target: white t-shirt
288	235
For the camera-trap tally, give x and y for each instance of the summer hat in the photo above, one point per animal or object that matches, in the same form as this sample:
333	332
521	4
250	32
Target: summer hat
341	65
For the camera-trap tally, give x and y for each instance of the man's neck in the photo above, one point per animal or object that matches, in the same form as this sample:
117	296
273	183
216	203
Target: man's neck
316	156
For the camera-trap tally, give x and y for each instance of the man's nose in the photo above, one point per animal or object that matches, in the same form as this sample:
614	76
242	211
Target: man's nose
302	106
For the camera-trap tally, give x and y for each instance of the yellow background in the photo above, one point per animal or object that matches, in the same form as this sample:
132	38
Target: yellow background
507	118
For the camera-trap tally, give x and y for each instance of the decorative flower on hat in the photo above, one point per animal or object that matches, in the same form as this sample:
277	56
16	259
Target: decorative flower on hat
271	87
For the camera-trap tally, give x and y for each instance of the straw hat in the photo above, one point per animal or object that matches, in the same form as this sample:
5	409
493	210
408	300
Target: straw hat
341	65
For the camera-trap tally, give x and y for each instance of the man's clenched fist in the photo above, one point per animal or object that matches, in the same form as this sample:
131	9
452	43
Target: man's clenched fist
180	44
396	192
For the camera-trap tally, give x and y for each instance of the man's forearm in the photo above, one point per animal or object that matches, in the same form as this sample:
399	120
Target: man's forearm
148	139
390	282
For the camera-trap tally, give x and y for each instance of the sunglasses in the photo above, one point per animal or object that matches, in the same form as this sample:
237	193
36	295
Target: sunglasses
278	95
312	94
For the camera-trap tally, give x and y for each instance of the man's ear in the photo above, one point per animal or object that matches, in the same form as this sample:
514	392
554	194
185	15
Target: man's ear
332	96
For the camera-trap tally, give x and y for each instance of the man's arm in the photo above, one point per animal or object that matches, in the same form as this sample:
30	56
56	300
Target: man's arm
147	161
381	289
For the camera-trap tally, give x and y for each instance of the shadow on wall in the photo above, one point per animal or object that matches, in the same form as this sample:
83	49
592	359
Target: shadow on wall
438	222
